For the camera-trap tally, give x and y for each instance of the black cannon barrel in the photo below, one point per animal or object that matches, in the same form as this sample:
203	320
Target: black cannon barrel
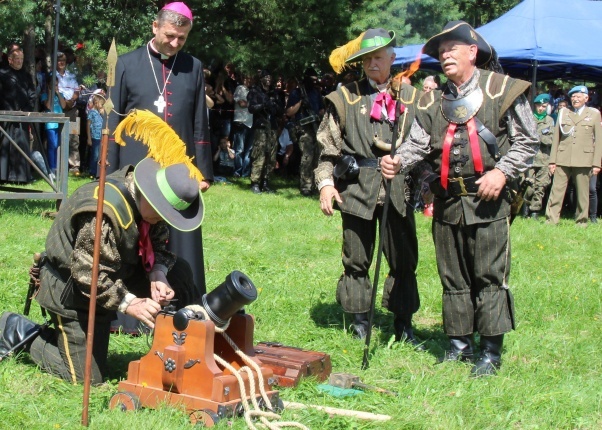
230	296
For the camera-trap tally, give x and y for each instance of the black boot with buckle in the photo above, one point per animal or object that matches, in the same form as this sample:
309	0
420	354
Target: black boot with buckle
491	356
16	333
460	349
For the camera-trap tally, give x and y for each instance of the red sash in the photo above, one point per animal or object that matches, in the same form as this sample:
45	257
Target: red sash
474	148
145	246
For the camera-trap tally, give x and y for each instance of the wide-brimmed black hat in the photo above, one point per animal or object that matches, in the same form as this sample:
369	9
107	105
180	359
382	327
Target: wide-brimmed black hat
463	32
171	192
374	39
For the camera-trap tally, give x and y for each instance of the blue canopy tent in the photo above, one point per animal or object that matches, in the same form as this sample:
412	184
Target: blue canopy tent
539	39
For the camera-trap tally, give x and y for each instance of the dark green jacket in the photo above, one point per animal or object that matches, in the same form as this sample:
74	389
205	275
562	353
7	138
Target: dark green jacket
57	290
499	93
353	104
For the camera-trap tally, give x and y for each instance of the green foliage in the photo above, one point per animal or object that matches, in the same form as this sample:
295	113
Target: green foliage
15	15
101	21
283	35
480	12
391	15
552	367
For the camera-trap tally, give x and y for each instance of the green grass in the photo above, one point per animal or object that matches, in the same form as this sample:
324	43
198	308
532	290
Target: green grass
552	372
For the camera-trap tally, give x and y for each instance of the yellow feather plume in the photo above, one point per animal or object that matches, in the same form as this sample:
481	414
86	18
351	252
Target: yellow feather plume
339	55
164	145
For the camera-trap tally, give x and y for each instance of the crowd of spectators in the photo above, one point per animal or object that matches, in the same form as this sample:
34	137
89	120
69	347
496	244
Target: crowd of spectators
231	123
20	91
230	120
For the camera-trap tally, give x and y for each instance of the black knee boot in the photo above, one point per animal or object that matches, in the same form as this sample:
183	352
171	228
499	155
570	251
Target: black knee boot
460	349
265	188
360	325
491	356
404	332
16	333
525	210
255	188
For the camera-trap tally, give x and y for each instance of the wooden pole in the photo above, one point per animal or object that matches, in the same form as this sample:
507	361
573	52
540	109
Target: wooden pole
104	143
382	227
340	412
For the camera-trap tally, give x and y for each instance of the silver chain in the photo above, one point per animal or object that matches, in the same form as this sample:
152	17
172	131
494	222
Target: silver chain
155	75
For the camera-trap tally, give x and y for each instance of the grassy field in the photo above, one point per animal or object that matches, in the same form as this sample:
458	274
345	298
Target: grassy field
552	372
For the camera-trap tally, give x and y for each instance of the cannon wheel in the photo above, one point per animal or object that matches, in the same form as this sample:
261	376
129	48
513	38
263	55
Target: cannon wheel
277	405
203	418
125	401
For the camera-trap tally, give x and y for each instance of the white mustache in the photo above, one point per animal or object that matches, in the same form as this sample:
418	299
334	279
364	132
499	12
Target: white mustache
449	63
374	69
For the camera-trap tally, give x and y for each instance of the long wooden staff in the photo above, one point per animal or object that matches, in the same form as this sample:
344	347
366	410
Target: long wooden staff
104	143
383	225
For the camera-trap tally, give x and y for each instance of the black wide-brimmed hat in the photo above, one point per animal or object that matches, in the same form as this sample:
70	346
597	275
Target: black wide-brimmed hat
373	39
463	32
172	192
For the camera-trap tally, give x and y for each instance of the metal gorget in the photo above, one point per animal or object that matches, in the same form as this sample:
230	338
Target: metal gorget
459	110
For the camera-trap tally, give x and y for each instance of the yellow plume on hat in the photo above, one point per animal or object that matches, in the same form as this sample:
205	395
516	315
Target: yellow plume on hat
164	145
339	55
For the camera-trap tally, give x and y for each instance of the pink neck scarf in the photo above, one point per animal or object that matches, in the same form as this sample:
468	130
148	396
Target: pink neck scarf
383	99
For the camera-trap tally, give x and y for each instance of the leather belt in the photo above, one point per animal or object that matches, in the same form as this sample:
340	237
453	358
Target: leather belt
369	162
458	187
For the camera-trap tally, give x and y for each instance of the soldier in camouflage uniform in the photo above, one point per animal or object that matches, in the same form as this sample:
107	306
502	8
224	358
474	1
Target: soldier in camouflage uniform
137	274
267	106
539	171
478	134
305	105
357	127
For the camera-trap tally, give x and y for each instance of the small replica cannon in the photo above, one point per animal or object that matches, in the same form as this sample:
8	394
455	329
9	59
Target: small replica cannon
210	376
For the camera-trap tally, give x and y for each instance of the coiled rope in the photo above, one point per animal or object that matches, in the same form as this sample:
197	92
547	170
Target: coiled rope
251	366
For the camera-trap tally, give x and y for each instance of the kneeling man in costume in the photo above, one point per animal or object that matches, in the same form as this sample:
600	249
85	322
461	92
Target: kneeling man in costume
478	134
137	274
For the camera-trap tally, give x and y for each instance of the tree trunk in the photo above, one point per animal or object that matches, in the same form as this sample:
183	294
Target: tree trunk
48	24
29	43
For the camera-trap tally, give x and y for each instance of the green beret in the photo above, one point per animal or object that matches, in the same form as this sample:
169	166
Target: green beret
542	98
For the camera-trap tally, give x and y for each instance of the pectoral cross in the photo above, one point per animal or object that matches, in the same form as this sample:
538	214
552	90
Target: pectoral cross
160	103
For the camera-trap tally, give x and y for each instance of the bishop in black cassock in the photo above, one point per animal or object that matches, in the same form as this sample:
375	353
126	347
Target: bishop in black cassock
174	89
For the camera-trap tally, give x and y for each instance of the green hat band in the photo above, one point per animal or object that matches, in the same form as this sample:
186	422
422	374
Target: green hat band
375	41
168	193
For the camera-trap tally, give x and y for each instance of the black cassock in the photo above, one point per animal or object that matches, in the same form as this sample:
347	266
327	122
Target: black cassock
136	87
17	93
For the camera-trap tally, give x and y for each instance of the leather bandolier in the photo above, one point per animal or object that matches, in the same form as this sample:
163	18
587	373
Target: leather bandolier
499	93
57	290
353	104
